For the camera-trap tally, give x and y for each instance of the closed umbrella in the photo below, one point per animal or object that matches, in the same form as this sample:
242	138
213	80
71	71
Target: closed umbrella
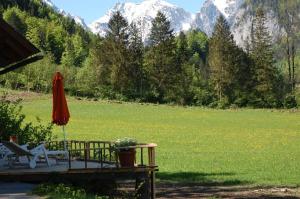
60	111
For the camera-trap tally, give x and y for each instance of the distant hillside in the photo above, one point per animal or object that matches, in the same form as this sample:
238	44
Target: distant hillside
52	31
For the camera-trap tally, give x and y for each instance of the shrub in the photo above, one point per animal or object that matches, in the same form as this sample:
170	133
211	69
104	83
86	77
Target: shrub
61	191
202	97
12	122
223	104
290	101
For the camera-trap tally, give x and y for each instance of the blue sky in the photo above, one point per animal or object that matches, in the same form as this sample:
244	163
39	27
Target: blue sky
91	10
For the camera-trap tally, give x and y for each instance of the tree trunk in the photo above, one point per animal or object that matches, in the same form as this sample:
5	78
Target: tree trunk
293	65
288	54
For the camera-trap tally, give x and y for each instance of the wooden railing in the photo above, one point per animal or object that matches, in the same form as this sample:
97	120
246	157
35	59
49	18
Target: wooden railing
140	154
103	153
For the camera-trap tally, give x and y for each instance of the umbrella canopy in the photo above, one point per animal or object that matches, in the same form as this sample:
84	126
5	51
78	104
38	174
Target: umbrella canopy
60	112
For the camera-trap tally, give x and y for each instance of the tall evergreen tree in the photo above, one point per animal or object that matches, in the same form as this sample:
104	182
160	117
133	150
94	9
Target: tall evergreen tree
116	52
184	70
136	56
262	55
220	59
159	59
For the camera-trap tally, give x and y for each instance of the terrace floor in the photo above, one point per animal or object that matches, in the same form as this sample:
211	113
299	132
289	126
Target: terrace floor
61	166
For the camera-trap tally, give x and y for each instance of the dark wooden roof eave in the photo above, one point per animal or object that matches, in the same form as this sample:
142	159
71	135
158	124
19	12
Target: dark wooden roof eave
21	64
15	50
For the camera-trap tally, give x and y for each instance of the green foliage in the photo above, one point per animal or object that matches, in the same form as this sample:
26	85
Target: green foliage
159	60
12	122
290	101
62	191
198	43
222	61
116	53
136	56
124	142
265	77
16	19
36	76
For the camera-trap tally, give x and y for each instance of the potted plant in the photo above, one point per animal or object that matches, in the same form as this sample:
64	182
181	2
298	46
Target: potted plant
125	151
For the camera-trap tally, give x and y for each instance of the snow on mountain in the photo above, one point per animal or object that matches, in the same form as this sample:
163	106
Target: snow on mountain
238	14
227	7
49	3
207	17
241	26
143	14
78	20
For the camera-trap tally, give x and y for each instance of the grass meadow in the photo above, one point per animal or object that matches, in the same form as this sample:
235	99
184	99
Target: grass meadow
220	147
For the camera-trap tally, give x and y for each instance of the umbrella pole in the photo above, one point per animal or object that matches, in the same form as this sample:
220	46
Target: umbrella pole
65	135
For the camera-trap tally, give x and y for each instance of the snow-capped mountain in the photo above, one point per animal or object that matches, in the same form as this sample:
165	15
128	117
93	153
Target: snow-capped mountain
207	17
212	9
241	23
78	20
238	13
143	13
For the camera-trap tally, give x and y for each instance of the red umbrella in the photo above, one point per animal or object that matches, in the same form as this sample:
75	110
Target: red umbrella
60	111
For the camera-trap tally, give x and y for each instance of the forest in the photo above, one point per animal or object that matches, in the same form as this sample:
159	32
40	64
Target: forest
185	69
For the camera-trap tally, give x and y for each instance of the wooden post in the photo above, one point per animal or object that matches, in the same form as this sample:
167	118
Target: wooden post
142	187
117	159
69	159
142	157
85	155
101	157
151	154
151	157
87	148
110	156
152	184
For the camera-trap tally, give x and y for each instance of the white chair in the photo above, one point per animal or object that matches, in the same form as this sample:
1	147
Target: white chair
32	155
5	152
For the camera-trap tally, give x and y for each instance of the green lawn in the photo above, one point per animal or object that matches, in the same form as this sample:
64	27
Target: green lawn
260	147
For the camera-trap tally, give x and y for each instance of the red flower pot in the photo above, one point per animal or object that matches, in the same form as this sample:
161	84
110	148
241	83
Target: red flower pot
127	157
13	138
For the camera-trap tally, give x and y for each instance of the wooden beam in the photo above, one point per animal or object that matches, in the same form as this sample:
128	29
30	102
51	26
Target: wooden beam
17	37
21	64
14	46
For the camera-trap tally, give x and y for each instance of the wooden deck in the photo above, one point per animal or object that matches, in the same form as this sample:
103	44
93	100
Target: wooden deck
87	166
56	167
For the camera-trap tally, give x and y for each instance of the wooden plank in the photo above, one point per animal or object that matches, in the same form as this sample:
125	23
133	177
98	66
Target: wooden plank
21	64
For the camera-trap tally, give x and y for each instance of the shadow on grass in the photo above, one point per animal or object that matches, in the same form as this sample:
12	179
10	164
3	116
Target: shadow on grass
212	185
200	178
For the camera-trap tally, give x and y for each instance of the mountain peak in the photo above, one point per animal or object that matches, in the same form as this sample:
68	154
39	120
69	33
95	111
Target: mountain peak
143	13
78	20
181	20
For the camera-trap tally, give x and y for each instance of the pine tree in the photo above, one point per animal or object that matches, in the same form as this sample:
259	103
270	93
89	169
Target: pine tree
221	60
116	52
262	55
184	70
136	55
159	59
